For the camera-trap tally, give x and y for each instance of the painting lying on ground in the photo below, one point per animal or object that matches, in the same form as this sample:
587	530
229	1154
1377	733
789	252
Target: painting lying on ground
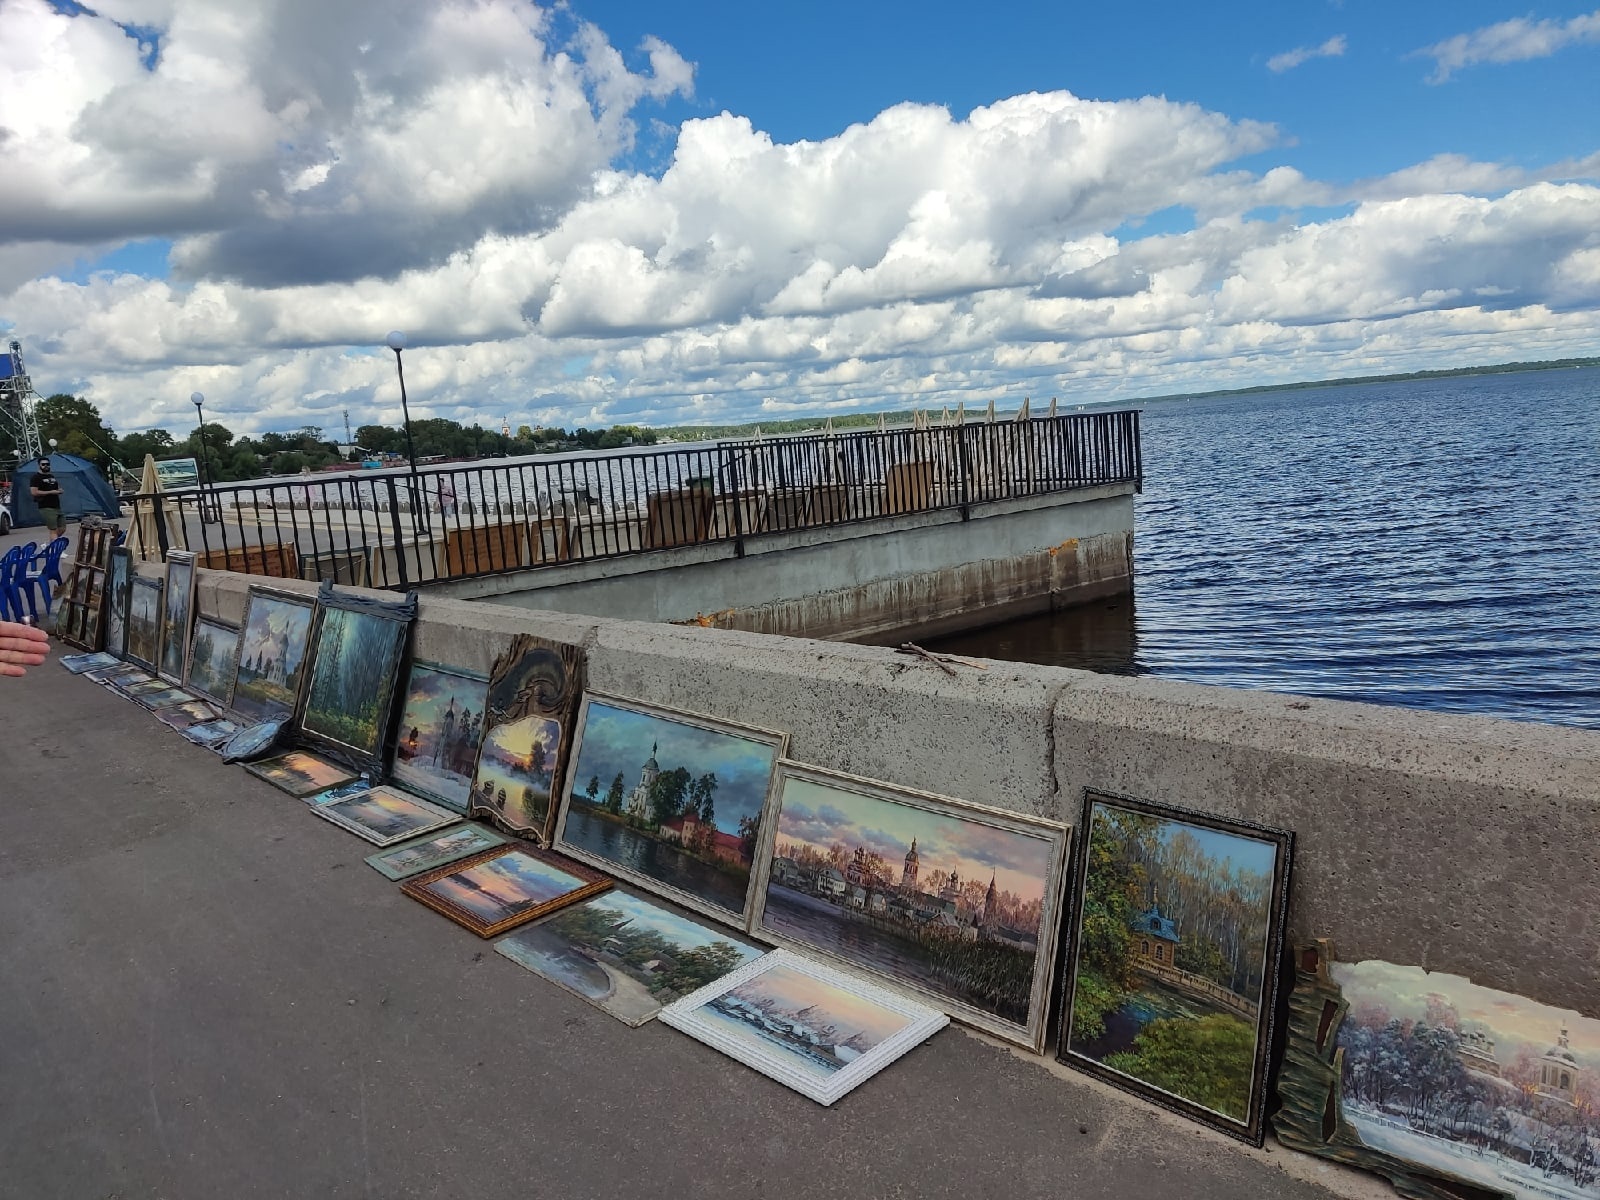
627	955
385	815
118	585
272	651
163	696
135	686
97	660
190	712
532	691
671	801
1174	979
810	1027
111	676
177	607
954	901
441	729
299	773
144	622
211	734
502	888
212	658
1424	1076
413	858
355	660
516	770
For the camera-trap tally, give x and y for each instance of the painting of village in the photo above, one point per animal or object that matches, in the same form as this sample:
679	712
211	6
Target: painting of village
672	804
272	651
1478	1083
1175	960
516	767
441	729
916	890
626	955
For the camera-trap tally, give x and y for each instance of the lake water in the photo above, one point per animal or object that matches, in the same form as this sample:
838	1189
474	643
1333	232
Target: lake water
1433	543
655	859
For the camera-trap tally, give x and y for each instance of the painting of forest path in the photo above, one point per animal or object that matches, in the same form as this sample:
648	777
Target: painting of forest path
441	730
925	892
669	802
353	668
272	651
626	955
211	659
1177	941
1486	1085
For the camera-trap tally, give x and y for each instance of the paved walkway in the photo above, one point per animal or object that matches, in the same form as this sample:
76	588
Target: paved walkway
205	993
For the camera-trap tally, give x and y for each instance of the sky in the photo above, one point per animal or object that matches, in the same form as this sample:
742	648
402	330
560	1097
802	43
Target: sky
586	214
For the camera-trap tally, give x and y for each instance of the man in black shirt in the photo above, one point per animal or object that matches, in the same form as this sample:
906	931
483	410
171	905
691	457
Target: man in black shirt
46	491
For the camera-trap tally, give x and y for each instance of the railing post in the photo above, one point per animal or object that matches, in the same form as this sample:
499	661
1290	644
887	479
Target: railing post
731	473
399	544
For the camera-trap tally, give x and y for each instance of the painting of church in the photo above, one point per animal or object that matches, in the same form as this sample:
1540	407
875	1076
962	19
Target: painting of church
1559	1071
1155	939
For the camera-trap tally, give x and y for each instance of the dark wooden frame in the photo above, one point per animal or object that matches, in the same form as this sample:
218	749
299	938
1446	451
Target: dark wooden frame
121	564
158	586
182	559
257	592
401	695
1253	1128
533	677
595	882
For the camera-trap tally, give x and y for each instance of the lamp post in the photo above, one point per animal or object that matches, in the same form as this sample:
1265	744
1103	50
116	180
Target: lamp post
396	341
199	401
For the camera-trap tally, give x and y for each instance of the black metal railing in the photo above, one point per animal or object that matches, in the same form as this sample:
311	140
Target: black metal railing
396	529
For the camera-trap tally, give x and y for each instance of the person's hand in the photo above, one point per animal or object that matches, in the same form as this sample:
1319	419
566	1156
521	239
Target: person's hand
21	647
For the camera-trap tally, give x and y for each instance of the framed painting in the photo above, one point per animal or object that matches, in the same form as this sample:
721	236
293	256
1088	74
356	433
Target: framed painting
626	955
385	815
299	773
270	664
119	583
424	854
533	690
212	659
1172	987
144	621
177	608
808	1026
1446	1087
441	729
135	686
355	787
110	676
356	648
98	660
671	801
162	697
186	713
211	734
501	888
956	902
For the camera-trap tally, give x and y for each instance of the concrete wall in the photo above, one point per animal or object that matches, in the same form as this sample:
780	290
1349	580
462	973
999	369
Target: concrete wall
924	572
1460	844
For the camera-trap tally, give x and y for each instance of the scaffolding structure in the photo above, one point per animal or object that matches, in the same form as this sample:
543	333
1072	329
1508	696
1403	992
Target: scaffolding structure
17	404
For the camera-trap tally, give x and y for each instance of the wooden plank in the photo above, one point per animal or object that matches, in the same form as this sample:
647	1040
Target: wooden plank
475	551
279	560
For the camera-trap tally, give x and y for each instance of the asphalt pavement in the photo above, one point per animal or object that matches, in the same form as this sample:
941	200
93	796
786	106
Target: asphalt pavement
206	993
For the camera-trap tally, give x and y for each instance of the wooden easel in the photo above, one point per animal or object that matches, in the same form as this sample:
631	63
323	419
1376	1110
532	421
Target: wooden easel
81	597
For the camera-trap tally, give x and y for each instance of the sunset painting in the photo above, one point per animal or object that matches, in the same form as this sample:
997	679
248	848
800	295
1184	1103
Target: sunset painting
441	730
299	773
384	815
516	764
503	888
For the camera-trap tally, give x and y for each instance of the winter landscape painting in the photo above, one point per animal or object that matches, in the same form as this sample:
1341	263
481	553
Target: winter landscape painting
516	769
272	651
626	955
952	900
441	730
354	661
671	801
1473	1082
1174	979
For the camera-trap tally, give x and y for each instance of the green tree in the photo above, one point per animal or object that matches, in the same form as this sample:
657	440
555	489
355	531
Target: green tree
1113	884
593	790
667	795
290	462
614	794
704	964
1208	1061
76	426
132	449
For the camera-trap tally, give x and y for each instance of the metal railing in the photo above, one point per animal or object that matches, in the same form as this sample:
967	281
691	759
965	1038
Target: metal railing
396	529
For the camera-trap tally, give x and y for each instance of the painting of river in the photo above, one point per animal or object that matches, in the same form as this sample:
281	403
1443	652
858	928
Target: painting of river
671	801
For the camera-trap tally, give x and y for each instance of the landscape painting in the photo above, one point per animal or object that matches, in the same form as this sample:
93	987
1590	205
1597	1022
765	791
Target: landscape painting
1175	975
627	955
354	661
190	712
161	697
413	858
441	730
212	658
118	586
299	773
144	622
516	767
671	801
955	901
1450	1076
211	734
384	815
502	888
808	1026
272	651
177	606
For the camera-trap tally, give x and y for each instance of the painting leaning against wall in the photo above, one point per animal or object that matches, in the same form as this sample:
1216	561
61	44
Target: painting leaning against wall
441	729
1174	977
272	650
144	622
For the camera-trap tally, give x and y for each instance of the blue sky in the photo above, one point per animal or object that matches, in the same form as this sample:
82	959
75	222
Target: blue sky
707	212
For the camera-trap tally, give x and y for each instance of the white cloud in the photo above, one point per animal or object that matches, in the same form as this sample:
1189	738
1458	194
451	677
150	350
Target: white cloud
467	183
1516	40
1290	59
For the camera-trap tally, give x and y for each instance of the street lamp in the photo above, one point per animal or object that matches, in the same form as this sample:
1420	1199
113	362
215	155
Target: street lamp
199	401
396	341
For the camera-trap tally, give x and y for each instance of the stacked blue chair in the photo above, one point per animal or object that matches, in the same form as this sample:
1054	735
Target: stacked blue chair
50	572
33	571
8	611
15	589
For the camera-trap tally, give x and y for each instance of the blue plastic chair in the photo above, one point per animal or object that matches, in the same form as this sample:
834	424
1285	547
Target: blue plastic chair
13	572
50	572
8	611
30	573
